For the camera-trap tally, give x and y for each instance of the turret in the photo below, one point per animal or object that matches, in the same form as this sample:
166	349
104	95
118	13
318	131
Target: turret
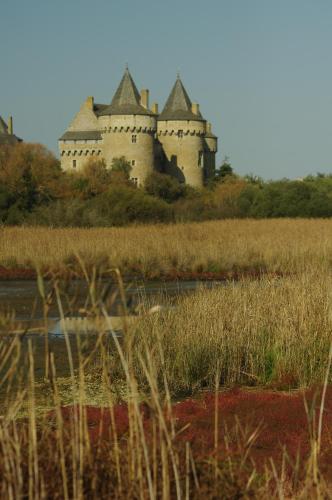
211	143
181	131
128	128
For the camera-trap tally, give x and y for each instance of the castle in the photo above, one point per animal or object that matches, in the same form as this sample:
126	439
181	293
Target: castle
7	136
178	141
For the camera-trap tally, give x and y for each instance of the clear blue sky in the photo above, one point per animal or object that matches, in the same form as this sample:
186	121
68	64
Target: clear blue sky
260	69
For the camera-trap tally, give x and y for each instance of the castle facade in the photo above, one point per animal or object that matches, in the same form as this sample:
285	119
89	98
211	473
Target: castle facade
178	141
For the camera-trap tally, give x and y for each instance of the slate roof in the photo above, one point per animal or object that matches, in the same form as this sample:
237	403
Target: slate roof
126	100
5	137
98	108
178	105
210	135
83	135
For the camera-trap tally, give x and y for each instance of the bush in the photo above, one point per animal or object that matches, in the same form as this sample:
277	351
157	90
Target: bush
61	213
122	205
165	187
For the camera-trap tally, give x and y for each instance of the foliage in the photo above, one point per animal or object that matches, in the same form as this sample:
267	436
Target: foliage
164	186
121	205
96	178
225	170
121	165
34	190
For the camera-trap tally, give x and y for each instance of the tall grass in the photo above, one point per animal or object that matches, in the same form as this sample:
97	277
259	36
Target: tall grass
252	332
285	245
274	331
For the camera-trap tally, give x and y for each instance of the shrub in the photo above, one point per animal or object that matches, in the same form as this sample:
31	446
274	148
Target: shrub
122	205
164	186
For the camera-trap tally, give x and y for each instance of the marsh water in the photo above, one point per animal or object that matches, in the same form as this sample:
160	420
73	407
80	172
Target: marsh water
21	299
23	296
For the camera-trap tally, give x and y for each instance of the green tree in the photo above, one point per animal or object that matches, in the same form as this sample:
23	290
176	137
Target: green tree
121	165
225	170
164	186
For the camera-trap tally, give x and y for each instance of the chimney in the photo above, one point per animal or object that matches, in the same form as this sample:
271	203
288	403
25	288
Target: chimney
155	108
10	125
195	108
208	127
145	98
89	102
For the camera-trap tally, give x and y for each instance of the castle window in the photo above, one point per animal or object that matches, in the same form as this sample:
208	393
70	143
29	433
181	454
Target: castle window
134	139
133	163
180	133
74	163
200	158
134	180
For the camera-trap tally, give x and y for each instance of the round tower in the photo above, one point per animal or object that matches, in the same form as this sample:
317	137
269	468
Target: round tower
128	129
211	143
181	131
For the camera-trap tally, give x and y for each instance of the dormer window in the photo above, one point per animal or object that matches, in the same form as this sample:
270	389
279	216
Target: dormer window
180	133
134	139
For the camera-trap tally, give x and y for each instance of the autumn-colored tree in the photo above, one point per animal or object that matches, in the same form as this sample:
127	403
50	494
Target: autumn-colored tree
226	197
31	173
92	180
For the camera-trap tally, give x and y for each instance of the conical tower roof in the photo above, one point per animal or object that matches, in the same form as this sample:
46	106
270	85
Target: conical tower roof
178	105
126	100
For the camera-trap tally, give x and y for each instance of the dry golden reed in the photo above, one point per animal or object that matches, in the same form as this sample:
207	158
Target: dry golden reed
270	331
285	245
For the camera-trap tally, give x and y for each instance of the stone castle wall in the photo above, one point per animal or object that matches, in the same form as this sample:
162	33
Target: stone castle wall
211	148
74	154
186	150
132	137
183	145
85	119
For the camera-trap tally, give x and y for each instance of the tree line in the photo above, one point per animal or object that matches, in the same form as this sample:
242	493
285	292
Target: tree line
34	190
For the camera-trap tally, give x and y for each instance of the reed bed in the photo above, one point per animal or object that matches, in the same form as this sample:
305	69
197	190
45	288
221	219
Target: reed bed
271	331
280	245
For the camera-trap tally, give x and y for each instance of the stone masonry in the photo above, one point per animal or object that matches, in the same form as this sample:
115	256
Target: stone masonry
178	141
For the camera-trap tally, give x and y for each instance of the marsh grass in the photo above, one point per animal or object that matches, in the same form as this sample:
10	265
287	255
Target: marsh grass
273	332
279	245
267	332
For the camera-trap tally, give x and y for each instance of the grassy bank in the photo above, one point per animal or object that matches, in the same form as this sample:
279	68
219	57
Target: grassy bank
279	245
